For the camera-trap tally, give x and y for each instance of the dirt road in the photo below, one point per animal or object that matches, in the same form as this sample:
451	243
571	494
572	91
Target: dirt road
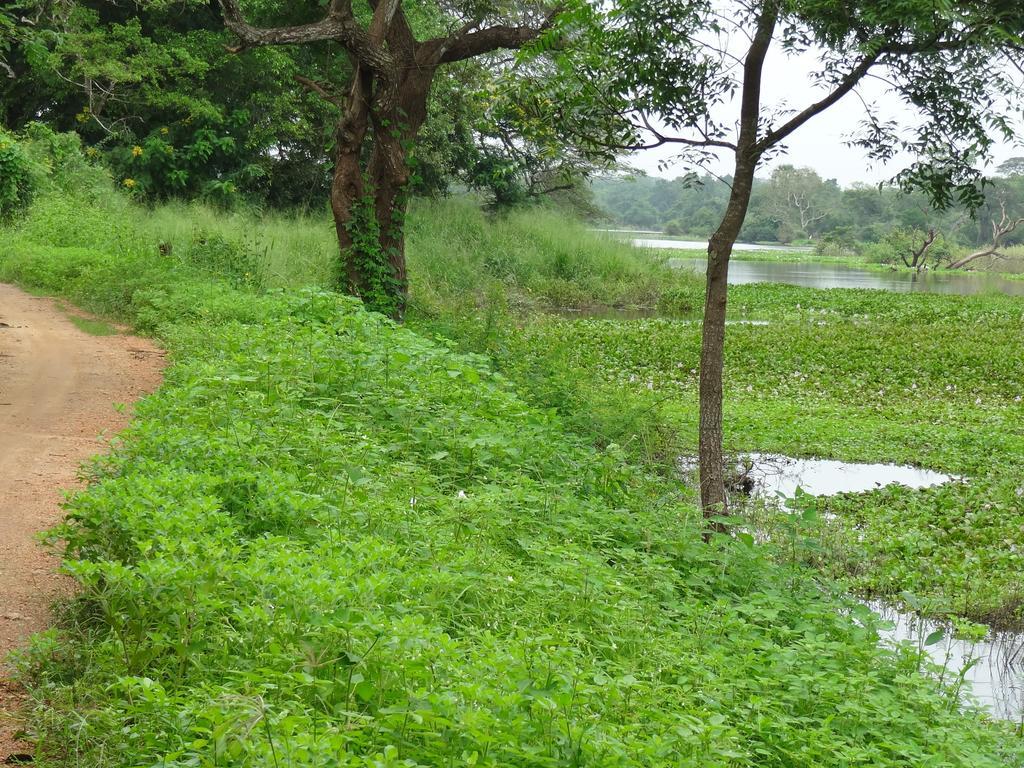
58	385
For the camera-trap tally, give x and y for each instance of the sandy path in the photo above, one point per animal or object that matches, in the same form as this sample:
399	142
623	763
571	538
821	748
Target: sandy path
57	389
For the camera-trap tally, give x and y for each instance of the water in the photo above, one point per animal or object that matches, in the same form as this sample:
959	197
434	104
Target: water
697	245
819	275
996	673
995	665
774	475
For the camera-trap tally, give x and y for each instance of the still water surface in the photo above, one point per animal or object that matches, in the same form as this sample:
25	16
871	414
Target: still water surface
695	245
824	275
814	274
994	667
819	275
775	475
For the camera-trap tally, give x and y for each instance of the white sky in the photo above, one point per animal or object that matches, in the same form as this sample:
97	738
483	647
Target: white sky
820	143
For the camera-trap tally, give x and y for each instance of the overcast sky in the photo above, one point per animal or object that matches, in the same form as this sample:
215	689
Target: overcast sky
820	143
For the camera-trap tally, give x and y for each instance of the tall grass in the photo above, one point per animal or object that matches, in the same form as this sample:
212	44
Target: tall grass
536	256
291	249
459	256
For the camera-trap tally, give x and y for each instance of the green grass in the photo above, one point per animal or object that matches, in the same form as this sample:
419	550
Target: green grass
856	375
457	254
92	326
330	540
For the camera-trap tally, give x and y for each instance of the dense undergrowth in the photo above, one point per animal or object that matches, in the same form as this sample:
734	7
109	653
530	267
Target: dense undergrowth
328	540
935	381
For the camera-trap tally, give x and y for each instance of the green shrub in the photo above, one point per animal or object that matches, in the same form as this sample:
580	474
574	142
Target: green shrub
899	244
19	176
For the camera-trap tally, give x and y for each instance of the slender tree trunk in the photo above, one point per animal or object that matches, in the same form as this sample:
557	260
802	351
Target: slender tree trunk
712	351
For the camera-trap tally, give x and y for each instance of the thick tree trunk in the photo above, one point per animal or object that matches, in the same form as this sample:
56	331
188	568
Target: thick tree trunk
369	199
347	188
712	352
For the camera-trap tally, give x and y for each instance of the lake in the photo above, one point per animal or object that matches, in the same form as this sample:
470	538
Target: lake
694	245
819	275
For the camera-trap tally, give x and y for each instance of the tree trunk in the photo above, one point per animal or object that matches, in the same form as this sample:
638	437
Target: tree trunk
369	200
961	263
347	189
712	463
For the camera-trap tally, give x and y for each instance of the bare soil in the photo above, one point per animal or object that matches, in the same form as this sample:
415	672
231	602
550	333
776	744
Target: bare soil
58	388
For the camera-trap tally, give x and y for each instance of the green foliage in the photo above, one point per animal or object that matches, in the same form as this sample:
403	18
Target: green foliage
19	176
899	245
153	90
833	375
839	243
38	161
328	539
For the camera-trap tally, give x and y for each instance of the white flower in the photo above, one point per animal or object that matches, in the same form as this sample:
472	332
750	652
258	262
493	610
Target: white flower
412	502
977	401
461	494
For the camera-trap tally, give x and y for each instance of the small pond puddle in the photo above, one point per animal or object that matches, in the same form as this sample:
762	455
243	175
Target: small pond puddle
770	475
994	666
775	475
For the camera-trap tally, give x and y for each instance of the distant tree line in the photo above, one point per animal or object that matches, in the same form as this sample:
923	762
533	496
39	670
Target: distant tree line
796	205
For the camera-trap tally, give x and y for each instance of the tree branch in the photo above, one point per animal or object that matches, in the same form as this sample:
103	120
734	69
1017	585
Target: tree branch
847	84
339	24
466	44
319	90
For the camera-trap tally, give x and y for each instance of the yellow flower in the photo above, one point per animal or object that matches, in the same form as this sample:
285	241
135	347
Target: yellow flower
91	152
164	131
130	183
136	151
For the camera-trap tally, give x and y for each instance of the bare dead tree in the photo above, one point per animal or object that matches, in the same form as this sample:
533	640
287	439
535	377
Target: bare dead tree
805	209
1000	229
918	256
382	99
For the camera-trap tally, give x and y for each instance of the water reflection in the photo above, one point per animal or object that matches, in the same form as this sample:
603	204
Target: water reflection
994	666
695	245
819	275
775	475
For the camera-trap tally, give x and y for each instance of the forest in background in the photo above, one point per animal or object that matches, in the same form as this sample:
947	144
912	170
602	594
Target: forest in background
796	205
